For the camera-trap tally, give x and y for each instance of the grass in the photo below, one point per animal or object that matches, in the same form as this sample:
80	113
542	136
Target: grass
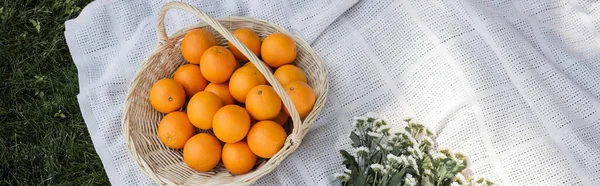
43	139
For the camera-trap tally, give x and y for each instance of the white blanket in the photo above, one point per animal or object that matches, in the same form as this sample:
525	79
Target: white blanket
513	84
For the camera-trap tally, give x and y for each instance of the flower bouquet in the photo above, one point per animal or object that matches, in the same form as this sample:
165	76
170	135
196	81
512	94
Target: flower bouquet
401	155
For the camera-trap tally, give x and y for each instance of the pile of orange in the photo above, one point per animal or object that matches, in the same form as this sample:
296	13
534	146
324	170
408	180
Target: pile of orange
224	93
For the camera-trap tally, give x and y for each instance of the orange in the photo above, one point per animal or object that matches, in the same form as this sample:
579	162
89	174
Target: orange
289	73
175	129
252	65
266	138
249	39
202	152
195	42
221	90
202	107
278	49
303	97
167	95
238	158
263	103
217	64
231	123
190	77
282	118
243	80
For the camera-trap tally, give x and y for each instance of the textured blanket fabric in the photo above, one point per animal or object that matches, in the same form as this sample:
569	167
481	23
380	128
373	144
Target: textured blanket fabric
513	84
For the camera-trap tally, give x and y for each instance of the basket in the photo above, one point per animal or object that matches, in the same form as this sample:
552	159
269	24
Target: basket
140	120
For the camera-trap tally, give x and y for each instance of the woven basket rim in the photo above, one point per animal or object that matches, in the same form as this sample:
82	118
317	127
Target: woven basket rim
300	127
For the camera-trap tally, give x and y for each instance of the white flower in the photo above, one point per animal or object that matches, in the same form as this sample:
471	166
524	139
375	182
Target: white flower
409	180
364	150
419	137
398	134
428	140
384	129
388	147
413	162
341	176
373	115
438	155
411	139
454	184
360	118
394	159
377	167
397	130
417	151
401	131
414	122
459	161
411	150
427	172
460	178
447	151
375	134
360	122
404	160
430	132
378	123
347	171
388	167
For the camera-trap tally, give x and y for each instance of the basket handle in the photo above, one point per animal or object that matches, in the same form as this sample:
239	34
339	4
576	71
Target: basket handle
163	38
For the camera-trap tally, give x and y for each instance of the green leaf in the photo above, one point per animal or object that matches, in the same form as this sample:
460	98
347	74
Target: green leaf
441	174
360	179
355	139
396	178
350	161
427	181
428	132
380	147
411	171
427	163
375	157
368	141
459	168
480	180
397	150
449	163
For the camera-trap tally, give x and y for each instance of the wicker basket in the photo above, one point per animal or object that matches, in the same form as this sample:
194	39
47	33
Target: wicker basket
140	120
